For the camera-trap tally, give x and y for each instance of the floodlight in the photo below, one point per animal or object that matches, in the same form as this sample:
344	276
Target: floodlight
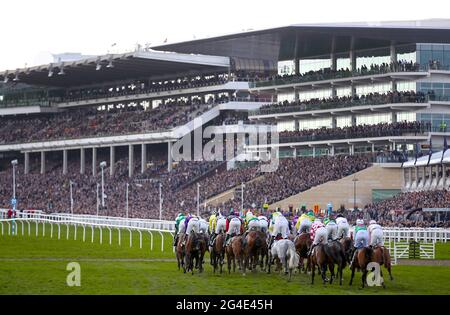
14	162
103	164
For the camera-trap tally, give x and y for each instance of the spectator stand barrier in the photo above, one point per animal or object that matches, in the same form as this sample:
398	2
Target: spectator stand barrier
87	222
427	235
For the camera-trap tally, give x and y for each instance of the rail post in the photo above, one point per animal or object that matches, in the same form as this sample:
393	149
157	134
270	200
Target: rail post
84	232
140	239
151	240
162	241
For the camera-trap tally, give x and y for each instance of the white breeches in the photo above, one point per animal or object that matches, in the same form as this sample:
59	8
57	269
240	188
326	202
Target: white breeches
305	225
343	229
332	230
376	237
281	227
234	226
193	225
320	236
254	225
221	225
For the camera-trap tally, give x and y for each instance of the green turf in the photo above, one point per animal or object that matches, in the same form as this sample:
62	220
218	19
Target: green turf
37	265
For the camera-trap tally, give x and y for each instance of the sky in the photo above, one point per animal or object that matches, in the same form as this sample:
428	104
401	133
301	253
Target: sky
34	29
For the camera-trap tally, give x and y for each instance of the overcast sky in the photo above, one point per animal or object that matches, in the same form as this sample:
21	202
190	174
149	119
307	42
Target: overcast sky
32	29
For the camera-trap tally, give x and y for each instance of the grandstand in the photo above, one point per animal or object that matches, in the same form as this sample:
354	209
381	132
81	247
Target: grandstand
342	97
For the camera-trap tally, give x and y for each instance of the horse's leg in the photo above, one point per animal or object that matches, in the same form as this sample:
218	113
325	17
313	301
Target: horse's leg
364	277
324	272
313	270
353	274
229	263
331	267
382	279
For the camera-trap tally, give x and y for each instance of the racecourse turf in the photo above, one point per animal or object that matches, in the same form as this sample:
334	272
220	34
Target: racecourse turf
37	265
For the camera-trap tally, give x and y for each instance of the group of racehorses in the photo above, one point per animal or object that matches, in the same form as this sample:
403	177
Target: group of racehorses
251	249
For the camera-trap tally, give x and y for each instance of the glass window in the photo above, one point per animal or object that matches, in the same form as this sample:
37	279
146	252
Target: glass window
343	121
281	97
323	93
409	117
315	123
286	126
373	119
307	65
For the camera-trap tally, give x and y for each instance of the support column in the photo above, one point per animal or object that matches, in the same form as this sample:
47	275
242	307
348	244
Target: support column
352	54
42	162
394	117
332	150
333	90
112	160
417	176
27	162
82	161
444	176
333	122
373	147
297	66
352	90
143	158
352	149
353	120
130	160
294	151
393	53
314	151
296	94
333	54
169	156
65	162
296	125
94	161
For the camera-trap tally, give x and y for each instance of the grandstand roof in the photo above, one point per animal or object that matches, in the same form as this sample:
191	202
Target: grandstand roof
141	64
315	39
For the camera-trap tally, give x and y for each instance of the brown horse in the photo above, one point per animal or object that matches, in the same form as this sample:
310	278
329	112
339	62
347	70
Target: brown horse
363	257
235	251
347	244
195	250
218	252
319	258
335	256
254	244
302	245
382	257
180	252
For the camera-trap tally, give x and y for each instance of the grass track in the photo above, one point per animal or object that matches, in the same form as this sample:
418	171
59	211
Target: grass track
37	265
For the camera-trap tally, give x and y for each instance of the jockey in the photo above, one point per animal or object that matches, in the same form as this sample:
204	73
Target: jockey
212	222
219	227
263	223
375	234
273	216
318	233
179	227
203	226
332	228
280	228
343	226
304	222
193	225
233	226
251	221
361	237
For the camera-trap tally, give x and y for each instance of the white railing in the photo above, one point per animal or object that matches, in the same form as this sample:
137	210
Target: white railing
58	220
400	250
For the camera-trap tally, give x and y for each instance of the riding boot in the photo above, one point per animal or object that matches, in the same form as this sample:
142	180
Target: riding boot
211	239
271	242
353	256
311	249
175	240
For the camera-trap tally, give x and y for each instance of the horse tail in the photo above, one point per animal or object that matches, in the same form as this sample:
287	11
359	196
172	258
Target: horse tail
294	258
368	253
330	253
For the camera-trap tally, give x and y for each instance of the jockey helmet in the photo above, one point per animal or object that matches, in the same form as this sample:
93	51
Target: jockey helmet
373	222
310	213
359	222
326	220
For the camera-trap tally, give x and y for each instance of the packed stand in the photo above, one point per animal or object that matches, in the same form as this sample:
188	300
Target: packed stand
345	101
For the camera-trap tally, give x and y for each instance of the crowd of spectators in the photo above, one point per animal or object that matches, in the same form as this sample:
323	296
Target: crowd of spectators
359	131
51	192
86	122
346	101
405	209
328	73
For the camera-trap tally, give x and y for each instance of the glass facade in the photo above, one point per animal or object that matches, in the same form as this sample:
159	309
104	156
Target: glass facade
315	123
435	119
286	126
322	93
406	116
343	121
373	119
438	53
373	88
439	89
